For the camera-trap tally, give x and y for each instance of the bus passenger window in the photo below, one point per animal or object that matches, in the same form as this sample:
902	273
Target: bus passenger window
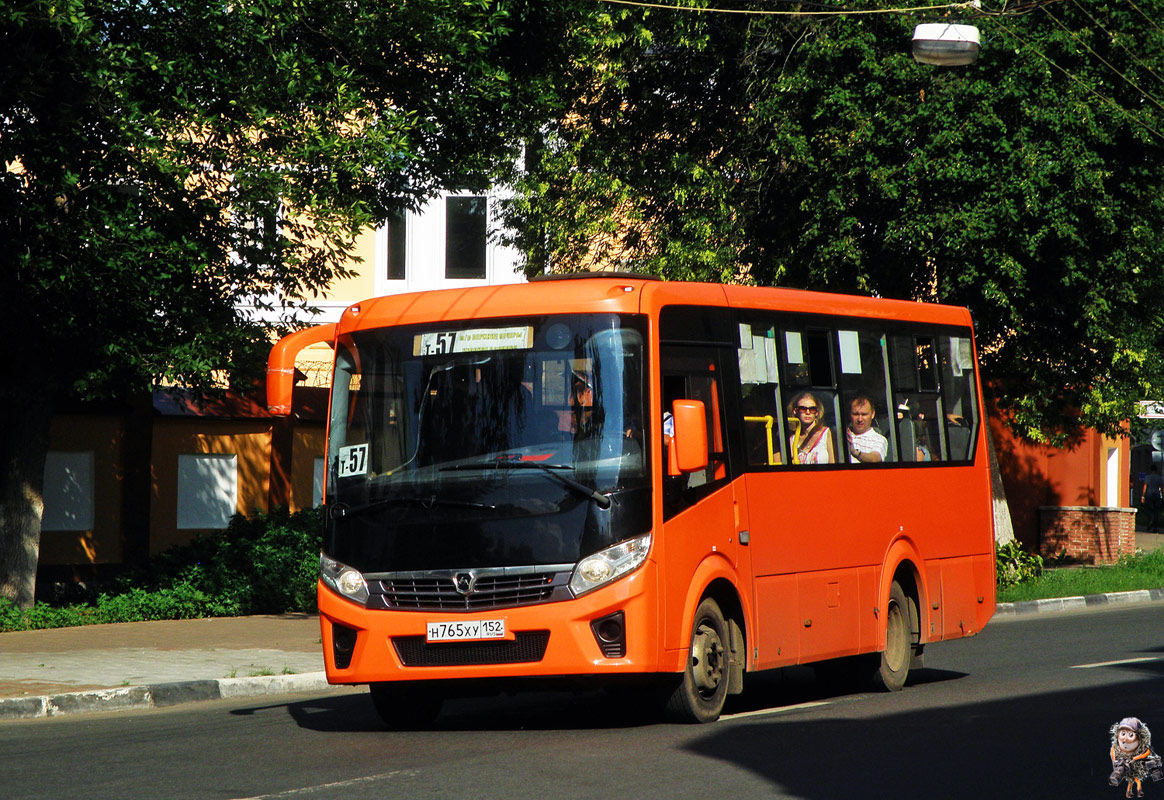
869	423
918	428
958	395
807	358
758	392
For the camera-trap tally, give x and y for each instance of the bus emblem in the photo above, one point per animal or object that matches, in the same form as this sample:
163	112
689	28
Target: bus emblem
465	581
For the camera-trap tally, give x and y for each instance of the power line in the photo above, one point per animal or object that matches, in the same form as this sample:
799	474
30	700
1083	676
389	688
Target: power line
1115	40
771	13
1150	21
1132	117
1106	63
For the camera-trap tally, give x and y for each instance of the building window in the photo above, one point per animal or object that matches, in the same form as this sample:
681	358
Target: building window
207	491
465	226
396	245
68	491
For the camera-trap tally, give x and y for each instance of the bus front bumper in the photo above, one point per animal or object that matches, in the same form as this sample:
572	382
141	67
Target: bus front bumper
564	638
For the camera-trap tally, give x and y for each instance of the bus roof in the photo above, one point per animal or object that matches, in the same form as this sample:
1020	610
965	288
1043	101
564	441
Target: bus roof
626	294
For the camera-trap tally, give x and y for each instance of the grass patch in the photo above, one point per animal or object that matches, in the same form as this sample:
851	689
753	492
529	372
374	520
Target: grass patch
1141	571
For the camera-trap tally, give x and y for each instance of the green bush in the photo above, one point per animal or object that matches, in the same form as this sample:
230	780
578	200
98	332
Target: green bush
1013	565
265	564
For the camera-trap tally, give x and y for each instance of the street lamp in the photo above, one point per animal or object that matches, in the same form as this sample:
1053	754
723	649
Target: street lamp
945	44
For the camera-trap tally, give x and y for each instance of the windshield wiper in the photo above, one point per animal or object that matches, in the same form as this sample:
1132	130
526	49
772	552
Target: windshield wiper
602	500
342	510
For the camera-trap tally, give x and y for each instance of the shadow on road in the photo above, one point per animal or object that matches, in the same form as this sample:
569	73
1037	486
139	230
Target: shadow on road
573	710
1043	745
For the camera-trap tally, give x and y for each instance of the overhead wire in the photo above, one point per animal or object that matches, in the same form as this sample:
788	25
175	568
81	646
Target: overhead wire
1132	117
798	13
1149	20
1106	63
1116	41
1018	9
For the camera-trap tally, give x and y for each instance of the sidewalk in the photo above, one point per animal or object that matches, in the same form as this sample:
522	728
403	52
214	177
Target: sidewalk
152	664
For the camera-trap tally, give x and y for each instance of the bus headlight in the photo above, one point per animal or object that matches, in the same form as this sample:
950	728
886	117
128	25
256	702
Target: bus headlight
609	564
343	580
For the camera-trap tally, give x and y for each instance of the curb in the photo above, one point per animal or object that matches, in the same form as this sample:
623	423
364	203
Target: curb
1055	604
158	695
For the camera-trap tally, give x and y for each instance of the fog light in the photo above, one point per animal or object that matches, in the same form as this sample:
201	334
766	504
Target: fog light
343	645
610	633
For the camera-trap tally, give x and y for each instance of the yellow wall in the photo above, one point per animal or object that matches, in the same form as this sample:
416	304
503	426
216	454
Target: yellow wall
361	285
102	545
307	446
249	440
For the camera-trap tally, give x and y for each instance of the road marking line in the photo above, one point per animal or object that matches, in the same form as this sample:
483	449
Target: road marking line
306	790
765	711
1116	663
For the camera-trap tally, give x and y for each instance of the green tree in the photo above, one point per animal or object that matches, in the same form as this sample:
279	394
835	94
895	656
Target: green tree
815	153
166	161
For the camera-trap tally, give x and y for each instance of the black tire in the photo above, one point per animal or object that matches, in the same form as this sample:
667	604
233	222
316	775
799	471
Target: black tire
701	693
406	706
899	640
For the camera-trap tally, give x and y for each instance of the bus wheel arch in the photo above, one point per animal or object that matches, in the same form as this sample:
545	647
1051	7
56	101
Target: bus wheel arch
714	659
724	593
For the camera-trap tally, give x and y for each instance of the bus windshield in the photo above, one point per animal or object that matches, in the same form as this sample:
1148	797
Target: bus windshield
507	442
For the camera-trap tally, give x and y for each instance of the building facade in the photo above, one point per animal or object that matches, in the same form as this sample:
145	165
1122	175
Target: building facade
126	482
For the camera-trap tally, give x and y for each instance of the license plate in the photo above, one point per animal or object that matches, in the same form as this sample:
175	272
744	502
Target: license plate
463	630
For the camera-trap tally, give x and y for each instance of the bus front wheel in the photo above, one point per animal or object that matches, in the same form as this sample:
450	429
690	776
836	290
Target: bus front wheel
405	705
700	695
894	666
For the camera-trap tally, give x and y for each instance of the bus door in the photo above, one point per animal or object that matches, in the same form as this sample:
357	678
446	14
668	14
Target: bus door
703	511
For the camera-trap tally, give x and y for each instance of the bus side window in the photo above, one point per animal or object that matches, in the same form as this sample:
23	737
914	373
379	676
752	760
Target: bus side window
693	374
959	399
863	374
759	389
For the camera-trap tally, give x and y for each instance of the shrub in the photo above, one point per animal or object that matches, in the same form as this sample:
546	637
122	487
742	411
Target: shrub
265	564
1013	565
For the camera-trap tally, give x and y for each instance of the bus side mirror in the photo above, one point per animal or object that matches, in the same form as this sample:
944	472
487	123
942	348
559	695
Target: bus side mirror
688	450
281	365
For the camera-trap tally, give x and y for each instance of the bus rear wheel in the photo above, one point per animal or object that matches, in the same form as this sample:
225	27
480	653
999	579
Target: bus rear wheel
406	705
701	693
899	636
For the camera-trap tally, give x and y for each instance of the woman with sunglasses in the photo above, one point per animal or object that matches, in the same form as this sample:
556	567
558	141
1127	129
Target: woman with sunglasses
811	442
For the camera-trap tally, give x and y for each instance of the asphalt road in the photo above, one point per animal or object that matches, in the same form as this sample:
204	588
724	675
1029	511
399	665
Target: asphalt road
1022	710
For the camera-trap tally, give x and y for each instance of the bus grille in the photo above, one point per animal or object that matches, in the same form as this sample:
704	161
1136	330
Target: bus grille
439	593
414	651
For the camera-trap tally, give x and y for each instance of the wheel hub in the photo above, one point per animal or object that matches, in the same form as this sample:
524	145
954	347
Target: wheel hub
707	659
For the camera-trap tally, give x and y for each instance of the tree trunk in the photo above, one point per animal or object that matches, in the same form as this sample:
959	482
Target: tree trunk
1003	527
26	411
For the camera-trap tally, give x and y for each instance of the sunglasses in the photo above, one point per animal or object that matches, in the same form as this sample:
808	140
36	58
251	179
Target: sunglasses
808	409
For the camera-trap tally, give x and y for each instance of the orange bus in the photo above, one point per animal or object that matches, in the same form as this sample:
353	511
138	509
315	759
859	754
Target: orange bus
614	478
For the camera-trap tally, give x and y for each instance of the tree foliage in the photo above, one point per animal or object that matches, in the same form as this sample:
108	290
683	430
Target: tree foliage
166	161
814	152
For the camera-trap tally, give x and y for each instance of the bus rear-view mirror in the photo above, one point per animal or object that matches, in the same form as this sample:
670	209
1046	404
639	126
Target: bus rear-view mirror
688	451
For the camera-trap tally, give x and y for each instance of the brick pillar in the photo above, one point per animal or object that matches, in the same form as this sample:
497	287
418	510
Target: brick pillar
1091	534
